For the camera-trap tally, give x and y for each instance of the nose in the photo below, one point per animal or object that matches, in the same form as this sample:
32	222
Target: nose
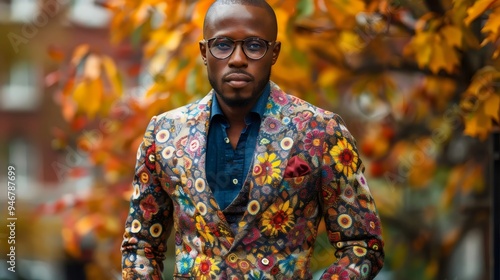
238	58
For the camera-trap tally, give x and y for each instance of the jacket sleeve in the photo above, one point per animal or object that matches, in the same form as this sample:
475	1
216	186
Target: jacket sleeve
149	221
352	222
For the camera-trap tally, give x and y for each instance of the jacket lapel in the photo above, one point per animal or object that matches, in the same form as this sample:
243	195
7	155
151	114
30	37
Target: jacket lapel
272	151
192	141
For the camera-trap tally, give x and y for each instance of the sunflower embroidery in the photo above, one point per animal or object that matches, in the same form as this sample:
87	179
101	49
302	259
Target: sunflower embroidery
278	218
267	168
345	157
204	230
205	268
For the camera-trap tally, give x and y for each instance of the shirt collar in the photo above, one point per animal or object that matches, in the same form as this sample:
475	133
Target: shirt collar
259	107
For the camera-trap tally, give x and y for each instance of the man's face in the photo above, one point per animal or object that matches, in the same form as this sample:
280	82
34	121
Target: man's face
238	80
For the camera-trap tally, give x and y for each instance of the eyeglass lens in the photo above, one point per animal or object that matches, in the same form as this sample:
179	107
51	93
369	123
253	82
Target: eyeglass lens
254	48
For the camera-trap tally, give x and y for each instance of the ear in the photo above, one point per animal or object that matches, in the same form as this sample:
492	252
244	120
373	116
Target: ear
203	51
276	51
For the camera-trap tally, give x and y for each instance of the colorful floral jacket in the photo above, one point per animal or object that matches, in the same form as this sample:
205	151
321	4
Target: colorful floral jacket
305	168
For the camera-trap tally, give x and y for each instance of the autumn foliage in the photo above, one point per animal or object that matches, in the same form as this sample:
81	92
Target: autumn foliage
418	82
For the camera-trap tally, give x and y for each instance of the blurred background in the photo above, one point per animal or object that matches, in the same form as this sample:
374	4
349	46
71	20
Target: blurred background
417	82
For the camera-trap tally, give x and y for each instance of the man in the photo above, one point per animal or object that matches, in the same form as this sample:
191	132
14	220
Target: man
245	175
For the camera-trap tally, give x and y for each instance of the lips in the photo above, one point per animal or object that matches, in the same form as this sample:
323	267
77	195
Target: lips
237	80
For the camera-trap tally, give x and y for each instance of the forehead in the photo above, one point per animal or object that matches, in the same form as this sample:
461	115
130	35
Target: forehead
238	22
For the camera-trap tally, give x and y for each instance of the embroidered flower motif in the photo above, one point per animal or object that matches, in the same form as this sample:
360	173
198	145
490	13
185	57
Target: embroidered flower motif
204	230
150	157
286	144
168	152
359	251
314	142
345	221
253	207
185	203
330	127
184	263
374	244
136	226
301	119
277	218
280	99
372	224
287	266
142	266
155	230
162	136
148	206
205	268
267	168
348	195
345	157
336	273
193	148
271	126
273	108
137	192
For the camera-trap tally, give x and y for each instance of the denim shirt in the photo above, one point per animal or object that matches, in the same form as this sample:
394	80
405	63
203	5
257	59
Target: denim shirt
227	167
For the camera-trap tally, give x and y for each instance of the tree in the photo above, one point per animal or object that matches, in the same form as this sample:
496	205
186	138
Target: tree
417	81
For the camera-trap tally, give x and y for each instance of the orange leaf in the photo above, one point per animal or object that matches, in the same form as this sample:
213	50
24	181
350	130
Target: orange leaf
80	52
477	9
56	53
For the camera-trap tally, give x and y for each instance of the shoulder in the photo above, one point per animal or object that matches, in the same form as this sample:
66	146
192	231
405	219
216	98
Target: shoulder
303	111
186	112
294	105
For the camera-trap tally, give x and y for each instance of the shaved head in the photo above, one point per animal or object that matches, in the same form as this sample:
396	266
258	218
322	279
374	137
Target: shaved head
255	3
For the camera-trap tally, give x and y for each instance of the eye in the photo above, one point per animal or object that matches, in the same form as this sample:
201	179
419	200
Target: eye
222	44
255	45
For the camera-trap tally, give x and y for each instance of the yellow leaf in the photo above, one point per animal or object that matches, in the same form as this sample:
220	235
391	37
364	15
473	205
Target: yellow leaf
113	75
443	56
452	35
350	42
492	28
492	107
343	12
420	46
477	9
88	96
478	125
329	77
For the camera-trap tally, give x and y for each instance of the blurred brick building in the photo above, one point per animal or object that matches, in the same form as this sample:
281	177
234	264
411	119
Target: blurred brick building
28	115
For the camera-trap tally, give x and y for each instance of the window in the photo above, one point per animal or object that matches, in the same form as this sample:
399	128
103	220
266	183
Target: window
20	91
87	13
23	10
24	157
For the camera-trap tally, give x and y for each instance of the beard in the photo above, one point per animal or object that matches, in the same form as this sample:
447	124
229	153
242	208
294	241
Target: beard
238	101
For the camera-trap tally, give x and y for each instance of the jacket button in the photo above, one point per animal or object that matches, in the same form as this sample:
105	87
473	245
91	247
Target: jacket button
265	261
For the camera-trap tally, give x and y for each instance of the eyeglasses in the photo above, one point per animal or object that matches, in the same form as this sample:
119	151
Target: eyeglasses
223	47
